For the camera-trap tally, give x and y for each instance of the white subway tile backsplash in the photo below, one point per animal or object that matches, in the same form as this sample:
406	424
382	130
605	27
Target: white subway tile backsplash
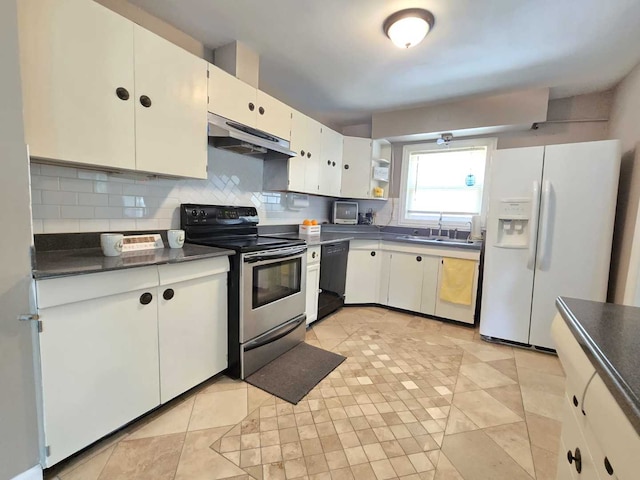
57	171
59	198
77	212
36	197
45	183
76	185
93	225
130	201
45	211
60	226
38	227
93	199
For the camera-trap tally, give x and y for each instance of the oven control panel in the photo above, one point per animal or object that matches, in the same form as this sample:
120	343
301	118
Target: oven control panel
195	214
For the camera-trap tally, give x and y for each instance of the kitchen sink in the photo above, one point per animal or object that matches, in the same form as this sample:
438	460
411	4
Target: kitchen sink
435	239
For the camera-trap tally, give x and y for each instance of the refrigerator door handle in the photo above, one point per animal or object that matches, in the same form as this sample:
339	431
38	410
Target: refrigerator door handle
544	222
533	230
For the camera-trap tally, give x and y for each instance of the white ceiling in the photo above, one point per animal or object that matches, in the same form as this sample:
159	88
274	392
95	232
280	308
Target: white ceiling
331	60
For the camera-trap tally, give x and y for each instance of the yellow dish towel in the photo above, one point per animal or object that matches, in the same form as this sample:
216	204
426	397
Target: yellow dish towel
457	280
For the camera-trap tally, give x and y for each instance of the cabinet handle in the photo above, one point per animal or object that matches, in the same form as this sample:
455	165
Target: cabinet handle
346	166
333	164
145	298
145	101
168	294
373	254
252	107
329	162
261	110
607	466
313	254
575	401
419	258
571	457
122	93
308	154
302	153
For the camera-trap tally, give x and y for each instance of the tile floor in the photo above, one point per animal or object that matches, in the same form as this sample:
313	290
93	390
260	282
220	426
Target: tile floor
416	399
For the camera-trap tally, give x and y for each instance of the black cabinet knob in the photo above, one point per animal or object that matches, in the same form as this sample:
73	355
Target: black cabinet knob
145	101
122	93
419	258
308	154
329	162
575	457
168	294
252	107
313	254
575	401
261	110
302	153
333	164
607	466
145	298
346	166
373	254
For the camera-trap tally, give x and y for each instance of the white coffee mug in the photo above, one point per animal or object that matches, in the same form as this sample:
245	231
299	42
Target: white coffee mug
176	238
111	244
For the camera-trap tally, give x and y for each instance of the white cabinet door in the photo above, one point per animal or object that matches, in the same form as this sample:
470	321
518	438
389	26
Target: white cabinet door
331	162
75	55
405	281
273	116
171	129
299	142
313	286
454	311
314	154
431	267
231	98
356	168
363	276
99	361
192	319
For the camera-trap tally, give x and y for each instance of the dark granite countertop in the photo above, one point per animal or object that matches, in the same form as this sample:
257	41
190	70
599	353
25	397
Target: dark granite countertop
609	335
62	263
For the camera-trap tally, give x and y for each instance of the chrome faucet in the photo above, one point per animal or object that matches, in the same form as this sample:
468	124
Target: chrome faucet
440	225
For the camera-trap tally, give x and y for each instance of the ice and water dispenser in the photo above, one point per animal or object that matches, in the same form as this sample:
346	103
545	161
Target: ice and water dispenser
513	223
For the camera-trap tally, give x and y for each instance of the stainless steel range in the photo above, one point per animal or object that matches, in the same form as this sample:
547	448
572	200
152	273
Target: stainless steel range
267	284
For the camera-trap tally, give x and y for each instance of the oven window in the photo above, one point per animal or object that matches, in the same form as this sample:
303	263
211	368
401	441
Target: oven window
275	281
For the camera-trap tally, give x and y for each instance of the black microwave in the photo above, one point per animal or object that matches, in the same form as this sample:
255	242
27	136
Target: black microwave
345	213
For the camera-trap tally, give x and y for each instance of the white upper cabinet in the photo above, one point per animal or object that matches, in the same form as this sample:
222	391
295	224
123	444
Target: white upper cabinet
330	164
313	150
82	70
77	82
356	170
175	84
238	101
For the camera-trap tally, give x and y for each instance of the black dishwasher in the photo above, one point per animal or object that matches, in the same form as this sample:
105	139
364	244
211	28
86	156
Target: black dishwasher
333	277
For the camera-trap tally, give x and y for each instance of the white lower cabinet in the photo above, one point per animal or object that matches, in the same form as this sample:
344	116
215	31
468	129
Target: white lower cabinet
313	283
112	348
405	276
363	272
192	304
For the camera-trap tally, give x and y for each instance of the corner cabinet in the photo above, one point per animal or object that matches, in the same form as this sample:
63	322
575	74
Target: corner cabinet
356	168
117	344
235	100
99	90
363	272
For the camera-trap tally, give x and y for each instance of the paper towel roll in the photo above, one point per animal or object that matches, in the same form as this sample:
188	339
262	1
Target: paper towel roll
476	227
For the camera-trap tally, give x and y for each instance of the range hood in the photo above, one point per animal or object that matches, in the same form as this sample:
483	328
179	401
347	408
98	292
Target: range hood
239	138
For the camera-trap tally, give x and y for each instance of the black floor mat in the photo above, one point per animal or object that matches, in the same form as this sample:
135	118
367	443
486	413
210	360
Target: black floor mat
294	374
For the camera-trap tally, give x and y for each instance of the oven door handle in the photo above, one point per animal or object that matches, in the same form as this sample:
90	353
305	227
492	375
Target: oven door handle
276	334
275	256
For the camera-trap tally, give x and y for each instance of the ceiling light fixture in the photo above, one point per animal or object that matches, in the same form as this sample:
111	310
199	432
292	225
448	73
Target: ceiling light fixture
407	28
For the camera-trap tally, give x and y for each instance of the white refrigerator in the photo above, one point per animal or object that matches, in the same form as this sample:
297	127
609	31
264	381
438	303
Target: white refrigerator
549	232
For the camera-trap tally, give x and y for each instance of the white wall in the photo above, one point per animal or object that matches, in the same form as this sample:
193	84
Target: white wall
18	427
625	125
68	199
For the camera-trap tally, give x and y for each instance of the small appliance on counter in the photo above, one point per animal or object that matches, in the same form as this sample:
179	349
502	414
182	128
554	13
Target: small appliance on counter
366	218
345	213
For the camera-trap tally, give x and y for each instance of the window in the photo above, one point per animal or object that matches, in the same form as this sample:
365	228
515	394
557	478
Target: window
445	180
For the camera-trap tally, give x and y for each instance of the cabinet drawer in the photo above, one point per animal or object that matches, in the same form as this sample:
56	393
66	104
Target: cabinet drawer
313	255
577	367
609	425
364	245
182	272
